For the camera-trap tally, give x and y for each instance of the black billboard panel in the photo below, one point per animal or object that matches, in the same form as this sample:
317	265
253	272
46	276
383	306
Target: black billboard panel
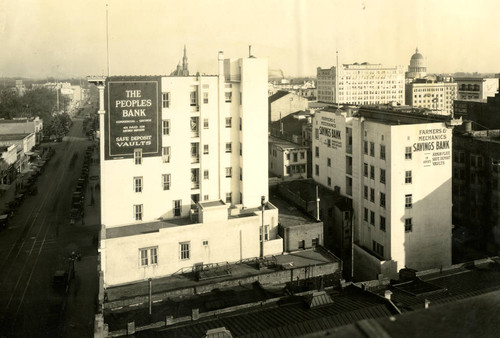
133	117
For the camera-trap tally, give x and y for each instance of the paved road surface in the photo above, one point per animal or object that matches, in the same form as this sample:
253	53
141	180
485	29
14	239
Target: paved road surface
38	242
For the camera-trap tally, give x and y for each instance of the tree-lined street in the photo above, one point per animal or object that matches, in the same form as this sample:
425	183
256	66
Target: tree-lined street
40	240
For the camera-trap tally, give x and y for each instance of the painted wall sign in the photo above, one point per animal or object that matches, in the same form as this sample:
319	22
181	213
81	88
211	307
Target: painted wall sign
132	117
328	128
435	143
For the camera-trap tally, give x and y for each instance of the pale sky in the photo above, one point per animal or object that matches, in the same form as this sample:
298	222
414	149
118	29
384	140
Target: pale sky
67	38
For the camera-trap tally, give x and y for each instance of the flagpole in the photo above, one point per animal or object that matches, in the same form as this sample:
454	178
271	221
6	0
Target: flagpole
107	39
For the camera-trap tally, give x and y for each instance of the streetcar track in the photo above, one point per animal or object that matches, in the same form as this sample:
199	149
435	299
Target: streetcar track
23	239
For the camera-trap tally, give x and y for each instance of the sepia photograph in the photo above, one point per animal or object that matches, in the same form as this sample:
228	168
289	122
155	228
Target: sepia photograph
249	168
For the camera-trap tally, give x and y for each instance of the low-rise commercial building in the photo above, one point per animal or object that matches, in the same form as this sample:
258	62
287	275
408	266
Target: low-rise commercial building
286	159
476	88
284	103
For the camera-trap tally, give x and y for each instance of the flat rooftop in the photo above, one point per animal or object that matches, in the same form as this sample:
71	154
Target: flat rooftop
12	137
284	144
289	214
296	259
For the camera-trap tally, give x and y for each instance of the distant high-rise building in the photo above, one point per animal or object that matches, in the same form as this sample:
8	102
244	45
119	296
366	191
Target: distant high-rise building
417	68
361	84
435	96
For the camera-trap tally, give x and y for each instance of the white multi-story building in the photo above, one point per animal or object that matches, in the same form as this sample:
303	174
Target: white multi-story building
476	88
396	167
170	142
436	96
361	84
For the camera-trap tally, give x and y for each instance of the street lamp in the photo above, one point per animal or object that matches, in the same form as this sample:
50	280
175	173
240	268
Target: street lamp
262	204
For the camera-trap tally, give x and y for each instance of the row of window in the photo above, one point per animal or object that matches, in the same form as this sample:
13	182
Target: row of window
138	210
149	256
369	217
371	196
371	146
193	97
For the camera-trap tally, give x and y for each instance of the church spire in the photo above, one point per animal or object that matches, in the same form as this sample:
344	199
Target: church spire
185	62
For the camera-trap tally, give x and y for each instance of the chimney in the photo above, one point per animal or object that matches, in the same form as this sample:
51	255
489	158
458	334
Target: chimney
221	63
388	294
195	314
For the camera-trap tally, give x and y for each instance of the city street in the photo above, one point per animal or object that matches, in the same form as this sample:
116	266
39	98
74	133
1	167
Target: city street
40	240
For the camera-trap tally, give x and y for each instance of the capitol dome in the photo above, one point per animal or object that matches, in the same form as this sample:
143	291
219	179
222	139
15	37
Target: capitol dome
417	55
417	68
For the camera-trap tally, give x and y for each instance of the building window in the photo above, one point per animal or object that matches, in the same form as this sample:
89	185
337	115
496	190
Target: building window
166	127
382	152
329	181
407	153
138	184
372	172
177	207
165	181
372	149
229	197
408	176
288	156
205	197
165	98
241	123
229	172
184	250
378	248
372	217
295	157
228	147
241	149
408	225
229	96
228	122
138	212
365	217
205	123
316	151
205	97
329	162
205	149
316	170
382	223
372	195
365	169
382	176
382	200
149	256
302	155
408	201
366	192
193	96
241	174
205	243
165	154
266	233
138	156
206	174
365	147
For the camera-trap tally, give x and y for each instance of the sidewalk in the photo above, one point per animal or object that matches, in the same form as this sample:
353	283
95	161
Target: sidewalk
82	296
